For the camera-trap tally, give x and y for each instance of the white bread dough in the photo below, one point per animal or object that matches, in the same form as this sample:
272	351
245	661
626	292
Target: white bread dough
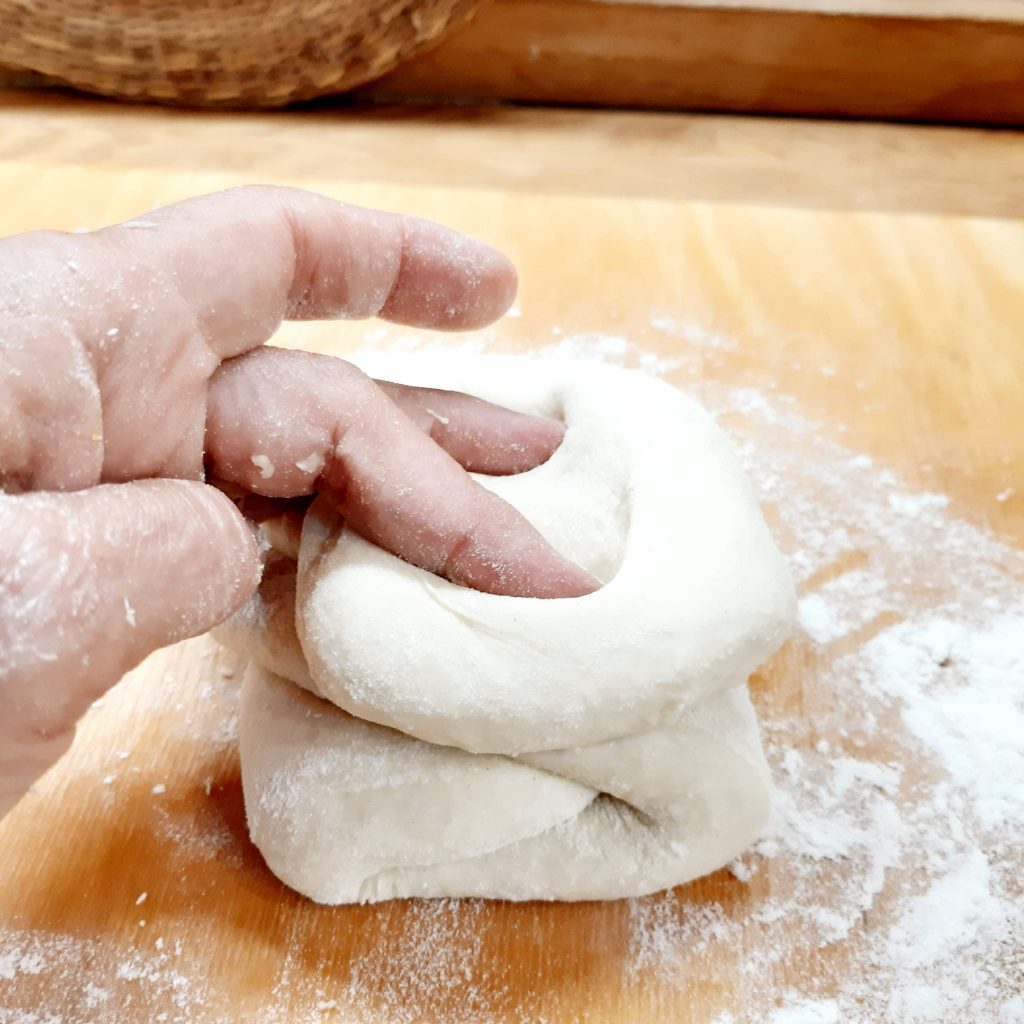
346	811
583	748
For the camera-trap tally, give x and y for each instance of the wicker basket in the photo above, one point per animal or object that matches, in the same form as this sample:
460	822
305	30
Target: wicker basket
226	53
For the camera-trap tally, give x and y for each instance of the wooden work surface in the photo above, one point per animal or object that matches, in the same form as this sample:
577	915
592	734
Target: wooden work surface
917	60
851	305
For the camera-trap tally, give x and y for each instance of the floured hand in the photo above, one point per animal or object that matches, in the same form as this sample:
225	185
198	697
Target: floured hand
132	366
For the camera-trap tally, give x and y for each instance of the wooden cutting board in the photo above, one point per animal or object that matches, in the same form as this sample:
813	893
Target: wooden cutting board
856	326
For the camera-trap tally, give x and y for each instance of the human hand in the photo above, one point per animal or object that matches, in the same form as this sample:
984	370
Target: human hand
131	357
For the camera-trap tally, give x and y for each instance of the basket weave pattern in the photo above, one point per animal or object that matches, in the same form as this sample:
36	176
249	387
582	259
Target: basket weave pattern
236	53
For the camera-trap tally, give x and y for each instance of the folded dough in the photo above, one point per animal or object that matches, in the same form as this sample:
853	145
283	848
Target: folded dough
459	743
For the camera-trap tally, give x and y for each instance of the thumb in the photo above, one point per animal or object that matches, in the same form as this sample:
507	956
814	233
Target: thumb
90	583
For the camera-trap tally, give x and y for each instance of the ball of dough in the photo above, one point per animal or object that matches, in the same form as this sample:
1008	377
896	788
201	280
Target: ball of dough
455	743
646	493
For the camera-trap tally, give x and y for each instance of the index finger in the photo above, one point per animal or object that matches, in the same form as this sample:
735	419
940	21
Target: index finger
284	423
280	253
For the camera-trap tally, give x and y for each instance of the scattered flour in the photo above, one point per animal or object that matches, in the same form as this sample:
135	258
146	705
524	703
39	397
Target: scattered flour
900	839
312	463
263	464
691	333
147	983
804	1011
889	878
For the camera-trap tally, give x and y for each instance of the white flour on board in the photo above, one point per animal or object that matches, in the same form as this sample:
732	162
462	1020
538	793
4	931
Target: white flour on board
888	885
900	835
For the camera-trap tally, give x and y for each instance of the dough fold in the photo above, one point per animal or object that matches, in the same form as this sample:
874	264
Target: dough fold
403	736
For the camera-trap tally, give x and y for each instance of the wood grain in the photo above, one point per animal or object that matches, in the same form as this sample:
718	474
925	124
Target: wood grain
736	160
753	57
922	60
915	316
